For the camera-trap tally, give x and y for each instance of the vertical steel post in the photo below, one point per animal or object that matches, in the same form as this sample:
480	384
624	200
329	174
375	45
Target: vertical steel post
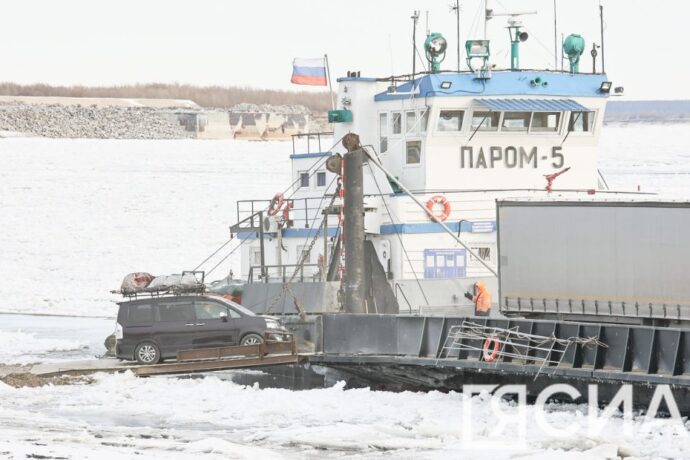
264	275
328	76
353	232
324	262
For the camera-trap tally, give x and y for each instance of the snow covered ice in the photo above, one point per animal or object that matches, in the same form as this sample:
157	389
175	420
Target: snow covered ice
120	415
76	215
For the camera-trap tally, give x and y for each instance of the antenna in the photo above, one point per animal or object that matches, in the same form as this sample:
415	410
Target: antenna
601	19
456	8
415	18
488	14
516	36
428	32
555	37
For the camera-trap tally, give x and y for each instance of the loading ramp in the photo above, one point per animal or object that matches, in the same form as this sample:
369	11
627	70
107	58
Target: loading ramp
269	353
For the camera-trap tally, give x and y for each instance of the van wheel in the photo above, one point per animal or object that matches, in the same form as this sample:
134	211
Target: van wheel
147	353
252	339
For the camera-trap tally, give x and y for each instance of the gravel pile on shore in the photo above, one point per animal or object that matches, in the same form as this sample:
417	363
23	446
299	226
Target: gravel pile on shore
90	122
268	108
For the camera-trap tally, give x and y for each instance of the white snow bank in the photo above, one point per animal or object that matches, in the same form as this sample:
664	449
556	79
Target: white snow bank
213	417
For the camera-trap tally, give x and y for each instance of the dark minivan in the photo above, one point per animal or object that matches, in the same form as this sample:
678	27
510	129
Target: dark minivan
149	330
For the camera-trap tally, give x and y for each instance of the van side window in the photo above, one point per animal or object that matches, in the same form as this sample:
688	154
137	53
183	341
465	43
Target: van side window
233	313
209	310
142	313
176	312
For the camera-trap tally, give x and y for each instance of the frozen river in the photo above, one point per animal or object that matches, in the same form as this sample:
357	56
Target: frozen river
76	215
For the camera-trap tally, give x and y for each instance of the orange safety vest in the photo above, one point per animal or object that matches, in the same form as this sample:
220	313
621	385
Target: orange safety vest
483	298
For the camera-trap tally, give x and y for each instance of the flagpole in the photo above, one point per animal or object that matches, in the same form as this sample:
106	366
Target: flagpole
330	87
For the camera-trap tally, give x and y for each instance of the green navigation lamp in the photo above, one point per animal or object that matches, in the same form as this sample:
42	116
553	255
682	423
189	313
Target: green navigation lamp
573	47
435	46
477	49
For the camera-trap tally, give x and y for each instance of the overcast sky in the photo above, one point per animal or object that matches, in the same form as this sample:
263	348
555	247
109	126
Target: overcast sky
253	42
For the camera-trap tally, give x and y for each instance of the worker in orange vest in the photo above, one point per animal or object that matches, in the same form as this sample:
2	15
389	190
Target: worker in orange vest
481	299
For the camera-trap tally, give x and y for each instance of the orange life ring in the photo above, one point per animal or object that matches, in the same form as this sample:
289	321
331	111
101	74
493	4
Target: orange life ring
487	352
443	201
276	203
286	212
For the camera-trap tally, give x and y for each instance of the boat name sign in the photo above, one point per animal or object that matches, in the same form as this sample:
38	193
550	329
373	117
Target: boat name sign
509	157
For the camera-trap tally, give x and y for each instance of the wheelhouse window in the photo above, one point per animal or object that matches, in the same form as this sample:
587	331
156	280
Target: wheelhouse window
483	252
424	120
516	121
321	179
450	120
304	180
485	121
581	122
413	152
411	123
546	121
383	132
397	122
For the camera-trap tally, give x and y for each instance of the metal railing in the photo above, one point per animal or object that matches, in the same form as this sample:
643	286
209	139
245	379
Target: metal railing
302	211
397	288
283	273
310	137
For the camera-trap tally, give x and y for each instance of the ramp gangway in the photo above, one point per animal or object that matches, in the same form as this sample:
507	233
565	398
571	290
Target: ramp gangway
269	353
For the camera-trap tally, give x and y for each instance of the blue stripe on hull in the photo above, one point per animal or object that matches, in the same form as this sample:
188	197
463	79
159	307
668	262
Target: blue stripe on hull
389	229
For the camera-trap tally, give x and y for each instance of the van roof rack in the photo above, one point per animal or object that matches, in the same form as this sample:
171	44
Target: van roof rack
189	282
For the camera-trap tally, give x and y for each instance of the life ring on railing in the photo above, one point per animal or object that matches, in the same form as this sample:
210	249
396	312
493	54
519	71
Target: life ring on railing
443	201
276	203
489	353
286	212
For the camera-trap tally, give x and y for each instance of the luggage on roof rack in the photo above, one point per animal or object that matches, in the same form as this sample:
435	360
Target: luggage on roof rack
141	284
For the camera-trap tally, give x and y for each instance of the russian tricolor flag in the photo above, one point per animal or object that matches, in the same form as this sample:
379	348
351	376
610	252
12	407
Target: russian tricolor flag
309	72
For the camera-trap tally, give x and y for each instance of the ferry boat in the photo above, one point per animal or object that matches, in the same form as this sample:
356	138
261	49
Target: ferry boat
400	210
458	141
